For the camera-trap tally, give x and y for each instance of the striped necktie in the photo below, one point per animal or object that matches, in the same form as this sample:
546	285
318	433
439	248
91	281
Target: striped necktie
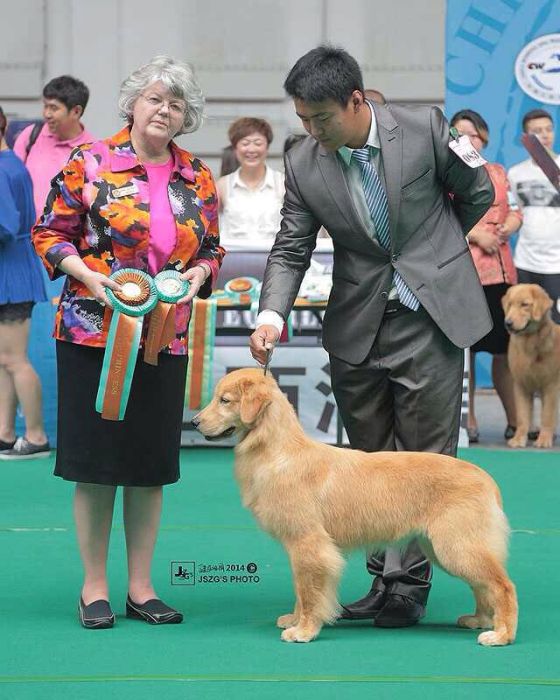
376	200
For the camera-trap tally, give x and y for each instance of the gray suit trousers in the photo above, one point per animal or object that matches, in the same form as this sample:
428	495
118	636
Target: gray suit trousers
406	395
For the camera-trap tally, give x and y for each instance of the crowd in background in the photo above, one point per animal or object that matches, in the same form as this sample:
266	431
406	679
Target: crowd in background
250	195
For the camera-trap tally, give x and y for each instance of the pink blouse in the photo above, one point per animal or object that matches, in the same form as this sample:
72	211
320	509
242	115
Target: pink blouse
496	268
163	232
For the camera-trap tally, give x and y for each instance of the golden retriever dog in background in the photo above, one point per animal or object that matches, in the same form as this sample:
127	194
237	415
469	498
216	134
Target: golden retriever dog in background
534	360
317	500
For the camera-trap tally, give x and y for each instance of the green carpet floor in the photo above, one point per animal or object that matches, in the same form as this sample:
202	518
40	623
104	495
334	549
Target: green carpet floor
229	646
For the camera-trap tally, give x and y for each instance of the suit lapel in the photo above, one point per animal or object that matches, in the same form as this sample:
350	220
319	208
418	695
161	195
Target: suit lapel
331	170
390	138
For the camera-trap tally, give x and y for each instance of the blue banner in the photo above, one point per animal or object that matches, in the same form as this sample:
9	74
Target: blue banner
484	40
502	60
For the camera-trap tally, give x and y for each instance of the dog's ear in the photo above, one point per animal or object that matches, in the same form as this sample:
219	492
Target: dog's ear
543	303
254	398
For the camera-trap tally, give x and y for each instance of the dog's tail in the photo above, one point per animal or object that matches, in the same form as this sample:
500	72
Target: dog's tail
499	532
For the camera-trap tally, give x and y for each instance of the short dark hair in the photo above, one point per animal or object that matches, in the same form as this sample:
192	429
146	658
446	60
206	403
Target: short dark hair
229	162
475	119
535	114
68	90
325	73
249	125
3	123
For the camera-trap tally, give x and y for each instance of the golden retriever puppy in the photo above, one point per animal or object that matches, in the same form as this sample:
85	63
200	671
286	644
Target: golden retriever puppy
318	500
534	360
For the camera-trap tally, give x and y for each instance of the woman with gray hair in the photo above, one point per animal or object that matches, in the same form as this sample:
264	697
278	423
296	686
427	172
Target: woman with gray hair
128	220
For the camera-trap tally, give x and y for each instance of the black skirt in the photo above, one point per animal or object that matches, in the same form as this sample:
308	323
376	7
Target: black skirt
496	342
142	449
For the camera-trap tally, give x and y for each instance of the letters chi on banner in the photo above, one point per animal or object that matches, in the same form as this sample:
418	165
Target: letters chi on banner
502	60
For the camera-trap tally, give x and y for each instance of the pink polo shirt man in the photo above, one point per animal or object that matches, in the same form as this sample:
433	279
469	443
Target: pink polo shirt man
47	157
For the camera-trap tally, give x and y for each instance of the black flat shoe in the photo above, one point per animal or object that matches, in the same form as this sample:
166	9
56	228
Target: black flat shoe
97	615
473	434
154	611
509	432
367	607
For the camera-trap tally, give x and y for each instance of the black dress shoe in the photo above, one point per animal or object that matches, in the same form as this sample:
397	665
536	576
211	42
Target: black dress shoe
405	604
154	611
97	615
367	607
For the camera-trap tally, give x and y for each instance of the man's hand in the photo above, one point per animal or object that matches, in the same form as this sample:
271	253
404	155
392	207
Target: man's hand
485	239
263	339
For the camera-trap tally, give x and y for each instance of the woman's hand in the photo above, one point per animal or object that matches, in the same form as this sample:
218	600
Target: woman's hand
510	225
196	276
96	282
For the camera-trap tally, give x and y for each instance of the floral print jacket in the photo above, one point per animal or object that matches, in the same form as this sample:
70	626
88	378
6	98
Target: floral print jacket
99	208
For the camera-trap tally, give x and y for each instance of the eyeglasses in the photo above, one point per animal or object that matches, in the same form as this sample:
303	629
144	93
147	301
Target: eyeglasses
174	106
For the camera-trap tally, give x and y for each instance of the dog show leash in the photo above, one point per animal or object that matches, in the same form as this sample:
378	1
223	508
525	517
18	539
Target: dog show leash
267	361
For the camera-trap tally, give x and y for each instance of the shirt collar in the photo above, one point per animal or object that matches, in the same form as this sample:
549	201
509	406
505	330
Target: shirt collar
268	181
76	141
372	139
123	156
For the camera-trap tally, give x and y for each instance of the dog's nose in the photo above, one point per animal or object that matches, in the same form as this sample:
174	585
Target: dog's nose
195	422
508	323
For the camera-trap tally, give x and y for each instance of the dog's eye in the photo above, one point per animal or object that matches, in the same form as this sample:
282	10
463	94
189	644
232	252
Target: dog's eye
224	400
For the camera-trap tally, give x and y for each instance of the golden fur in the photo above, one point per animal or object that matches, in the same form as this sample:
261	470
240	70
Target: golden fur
318	500
534	360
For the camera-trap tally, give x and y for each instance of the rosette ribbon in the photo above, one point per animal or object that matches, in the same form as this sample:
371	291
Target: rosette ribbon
138	296
161	331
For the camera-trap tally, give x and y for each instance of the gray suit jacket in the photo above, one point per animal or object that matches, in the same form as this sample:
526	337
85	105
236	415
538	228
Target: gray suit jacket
428	229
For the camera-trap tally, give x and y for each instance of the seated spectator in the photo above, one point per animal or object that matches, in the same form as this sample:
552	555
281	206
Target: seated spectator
252	196
21	285
537	253
45	151
491	252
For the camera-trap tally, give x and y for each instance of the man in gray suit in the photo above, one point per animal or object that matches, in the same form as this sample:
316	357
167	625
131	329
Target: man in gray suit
406	297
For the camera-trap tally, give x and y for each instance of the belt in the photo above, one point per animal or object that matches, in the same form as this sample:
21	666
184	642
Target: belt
394	305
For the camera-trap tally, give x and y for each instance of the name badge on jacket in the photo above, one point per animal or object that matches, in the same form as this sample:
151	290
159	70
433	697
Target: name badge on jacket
125	191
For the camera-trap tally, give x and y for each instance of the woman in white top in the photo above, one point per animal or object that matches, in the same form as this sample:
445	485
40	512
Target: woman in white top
252	196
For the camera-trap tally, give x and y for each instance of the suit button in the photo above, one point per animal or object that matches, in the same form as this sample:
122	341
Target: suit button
384	295
395	257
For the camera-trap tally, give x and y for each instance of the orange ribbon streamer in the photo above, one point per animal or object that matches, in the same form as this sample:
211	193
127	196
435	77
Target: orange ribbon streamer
200	310
161	331
124	337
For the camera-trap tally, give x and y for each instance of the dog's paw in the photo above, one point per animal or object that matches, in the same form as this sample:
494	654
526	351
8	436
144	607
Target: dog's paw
545	439
493	639
474	622
517	441
299	634
285	621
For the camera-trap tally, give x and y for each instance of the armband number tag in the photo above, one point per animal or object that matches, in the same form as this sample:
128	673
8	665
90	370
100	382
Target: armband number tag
464	149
